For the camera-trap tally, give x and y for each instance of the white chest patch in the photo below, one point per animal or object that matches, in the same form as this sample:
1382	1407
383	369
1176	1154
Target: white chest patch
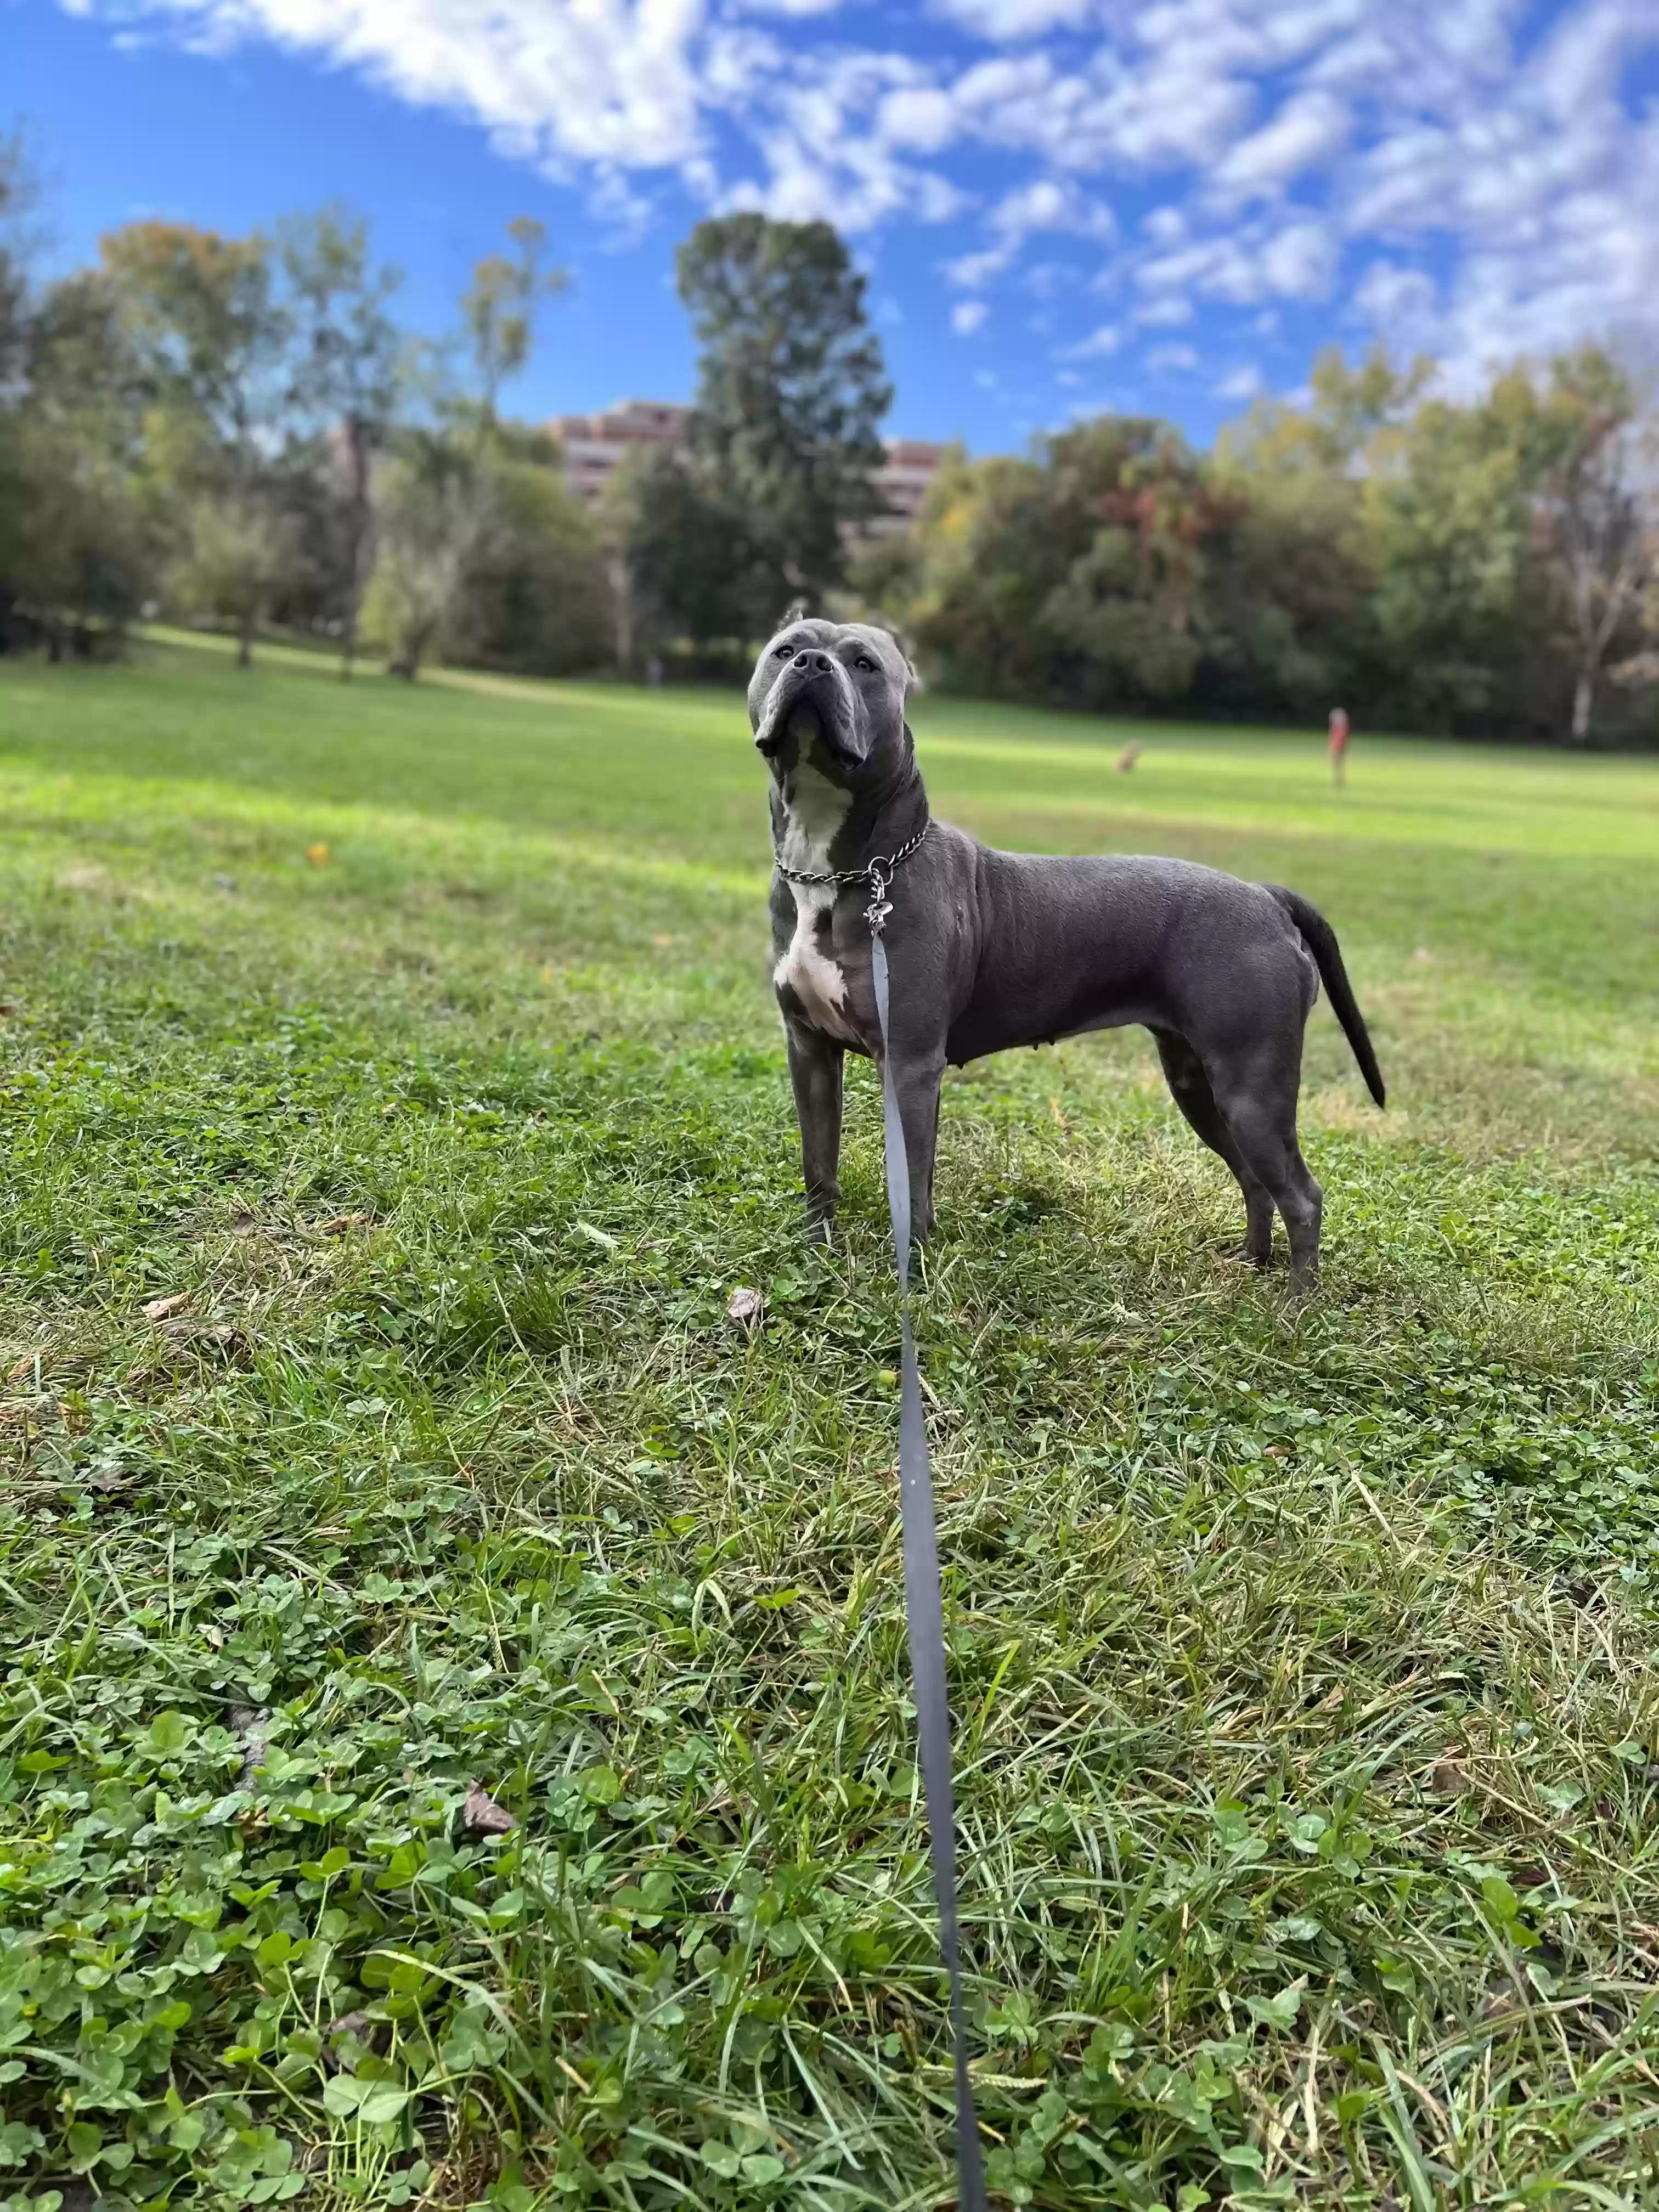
816	810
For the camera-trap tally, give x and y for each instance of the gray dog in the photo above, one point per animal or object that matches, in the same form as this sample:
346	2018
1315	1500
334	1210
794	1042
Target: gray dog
990	950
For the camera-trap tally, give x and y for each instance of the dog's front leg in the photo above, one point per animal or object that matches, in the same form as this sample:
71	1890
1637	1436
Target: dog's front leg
816	1065
916	1079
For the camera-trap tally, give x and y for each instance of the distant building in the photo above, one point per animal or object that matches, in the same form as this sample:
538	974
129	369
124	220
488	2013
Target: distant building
594	446
911	465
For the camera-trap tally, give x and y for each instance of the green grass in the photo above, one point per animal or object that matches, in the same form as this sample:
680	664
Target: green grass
1308	1758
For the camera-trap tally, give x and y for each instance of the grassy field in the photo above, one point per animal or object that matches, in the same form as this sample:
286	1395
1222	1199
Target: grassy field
391	1101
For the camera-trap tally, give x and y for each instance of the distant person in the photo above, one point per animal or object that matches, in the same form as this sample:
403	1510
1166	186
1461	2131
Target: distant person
653	672
1338	746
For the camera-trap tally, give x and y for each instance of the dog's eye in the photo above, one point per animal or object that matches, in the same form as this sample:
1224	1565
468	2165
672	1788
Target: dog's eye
780	653
864	661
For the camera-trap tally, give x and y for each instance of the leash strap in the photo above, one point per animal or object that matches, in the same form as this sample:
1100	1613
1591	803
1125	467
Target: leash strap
924	1610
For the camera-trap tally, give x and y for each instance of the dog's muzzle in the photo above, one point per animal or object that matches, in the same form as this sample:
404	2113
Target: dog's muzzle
816	682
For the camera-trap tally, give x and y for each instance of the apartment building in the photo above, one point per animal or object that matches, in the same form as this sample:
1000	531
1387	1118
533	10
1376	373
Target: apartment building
594	446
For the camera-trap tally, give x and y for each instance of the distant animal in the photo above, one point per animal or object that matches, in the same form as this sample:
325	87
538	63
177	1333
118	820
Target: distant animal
1127	759
990	950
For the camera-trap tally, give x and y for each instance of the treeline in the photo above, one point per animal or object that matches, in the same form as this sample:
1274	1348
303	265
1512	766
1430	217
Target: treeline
1486	566
238	431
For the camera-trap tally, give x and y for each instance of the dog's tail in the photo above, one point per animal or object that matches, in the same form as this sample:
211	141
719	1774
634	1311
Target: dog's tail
1321	942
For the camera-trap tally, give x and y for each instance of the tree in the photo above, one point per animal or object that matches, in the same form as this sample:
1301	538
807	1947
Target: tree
1292	592
498	309
213	337
346	382
791	388
80	541
1594	513
534	596
687	558
430	526
18	195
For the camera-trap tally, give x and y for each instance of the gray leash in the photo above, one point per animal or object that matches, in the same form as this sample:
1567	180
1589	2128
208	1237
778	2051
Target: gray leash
923	1606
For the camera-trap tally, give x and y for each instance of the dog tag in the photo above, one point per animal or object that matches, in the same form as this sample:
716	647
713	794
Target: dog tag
880	905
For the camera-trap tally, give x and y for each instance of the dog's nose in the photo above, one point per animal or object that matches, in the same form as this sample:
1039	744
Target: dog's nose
818	663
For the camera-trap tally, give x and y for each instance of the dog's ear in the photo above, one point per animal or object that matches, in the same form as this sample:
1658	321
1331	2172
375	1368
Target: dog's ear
795	611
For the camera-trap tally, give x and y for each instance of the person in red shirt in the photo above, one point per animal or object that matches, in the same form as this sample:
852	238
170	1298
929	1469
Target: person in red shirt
1337	747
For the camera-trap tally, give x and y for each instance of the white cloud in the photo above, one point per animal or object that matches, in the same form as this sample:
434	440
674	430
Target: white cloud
920	116
1403	303
1284	144
1240	385
1300	263
1306	131
1095	347
1005	22
1046	204
966	316
1167	359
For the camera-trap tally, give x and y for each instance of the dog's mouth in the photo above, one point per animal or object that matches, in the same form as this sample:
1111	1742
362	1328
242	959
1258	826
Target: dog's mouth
804	705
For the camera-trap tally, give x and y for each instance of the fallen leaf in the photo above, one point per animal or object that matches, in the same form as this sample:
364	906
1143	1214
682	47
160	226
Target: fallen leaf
159	1309
317	854
746	1307
482	1816
244	1224
1277	1451
338	1224
663	943
1447	1778
1422	957
600	1237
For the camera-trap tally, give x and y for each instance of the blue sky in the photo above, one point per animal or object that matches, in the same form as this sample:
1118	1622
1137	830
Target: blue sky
1161	205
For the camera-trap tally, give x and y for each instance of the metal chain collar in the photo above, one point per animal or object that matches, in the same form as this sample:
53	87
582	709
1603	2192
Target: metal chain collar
878	873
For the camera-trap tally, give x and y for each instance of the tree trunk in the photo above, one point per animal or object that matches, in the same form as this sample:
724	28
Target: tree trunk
622	604
406	661
1583	694
357	526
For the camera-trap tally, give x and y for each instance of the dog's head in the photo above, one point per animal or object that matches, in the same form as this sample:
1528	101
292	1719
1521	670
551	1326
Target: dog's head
839	686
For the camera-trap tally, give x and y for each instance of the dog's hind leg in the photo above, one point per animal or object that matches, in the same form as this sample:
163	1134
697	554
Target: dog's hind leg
1257	1099
816	1067
1189	1087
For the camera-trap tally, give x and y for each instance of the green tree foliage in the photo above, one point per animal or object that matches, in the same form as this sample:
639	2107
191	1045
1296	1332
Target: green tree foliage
498	309
346	385
534	596
791	391
429	524
86	522
212	337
